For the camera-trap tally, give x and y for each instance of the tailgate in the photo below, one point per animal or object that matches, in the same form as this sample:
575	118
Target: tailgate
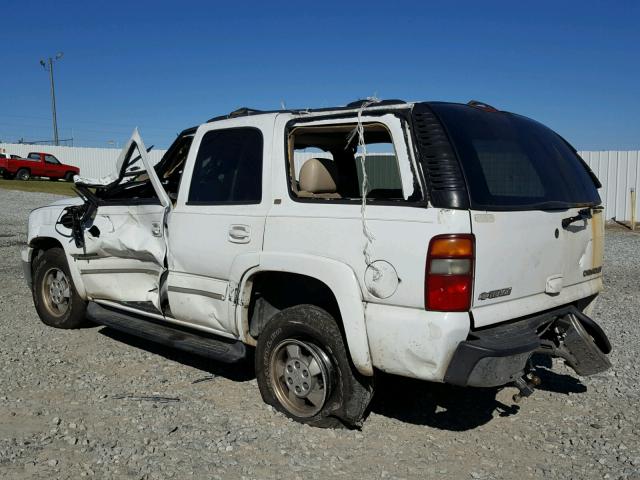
526	261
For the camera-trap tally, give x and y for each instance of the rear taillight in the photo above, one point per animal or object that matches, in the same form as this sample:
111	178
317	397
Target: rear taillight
449	273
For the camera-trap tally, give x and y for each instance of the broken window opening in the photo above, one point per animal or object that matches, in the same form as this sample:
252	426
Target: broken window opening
326	163
134	183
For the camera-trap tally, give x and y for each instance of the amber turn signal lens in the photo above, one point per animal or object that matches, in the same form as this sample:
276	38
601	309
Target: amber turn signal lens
452	247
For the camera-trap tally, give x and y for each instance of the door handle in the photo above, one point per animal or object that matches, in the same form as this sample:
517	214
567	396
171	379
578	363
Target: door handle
156	229
239	233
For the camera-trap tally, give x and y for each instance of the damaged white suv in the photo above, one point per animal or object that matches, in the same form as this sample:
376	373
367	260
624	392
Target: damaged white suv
440	241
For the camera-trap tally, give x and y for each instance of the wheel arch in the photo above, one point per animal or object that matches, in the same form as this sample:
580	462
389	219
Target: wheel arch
331	281
42	243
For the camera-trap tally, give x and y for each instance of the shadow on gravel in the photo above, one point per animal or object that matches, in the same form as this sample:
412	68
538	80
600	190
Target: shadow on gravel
448	407
437	405
552	381
240	372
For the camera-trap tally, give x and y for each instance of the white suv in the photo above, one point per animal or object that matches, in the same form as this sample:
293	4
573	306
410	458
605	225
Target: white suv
440	241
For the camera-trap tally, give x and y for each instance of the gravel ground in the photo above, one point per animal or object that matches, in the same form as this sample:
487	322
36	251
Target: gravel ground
97	403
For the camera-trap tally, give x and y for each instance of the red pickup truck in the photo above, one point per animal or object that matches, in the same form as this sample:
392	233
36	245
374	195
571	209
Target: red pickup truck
37	164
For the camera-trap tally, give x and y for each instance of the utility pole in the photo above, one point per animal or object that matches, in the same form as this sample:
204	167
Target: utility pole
49	67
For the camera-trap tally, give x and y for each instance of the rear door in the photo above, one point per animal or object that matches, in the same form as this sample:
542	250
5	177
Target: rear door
534	212
37	165
216	229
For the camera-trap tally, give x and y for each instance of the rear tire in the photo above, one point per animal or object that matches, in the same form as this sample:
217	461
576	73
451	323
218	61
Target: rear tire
54	294
304	371
23	174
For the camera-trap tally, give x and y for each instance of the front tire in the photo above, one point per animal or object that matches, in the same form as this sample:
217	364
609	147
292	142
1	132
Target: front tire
23	174
68	177
304	371
54	294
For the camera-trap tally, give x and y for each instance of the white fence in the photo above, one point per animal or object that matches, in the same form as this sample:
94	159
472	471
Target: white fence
619	171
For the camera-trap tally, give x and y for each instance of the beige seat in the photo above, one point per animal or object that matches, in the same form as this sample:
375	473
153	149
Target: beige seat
318	179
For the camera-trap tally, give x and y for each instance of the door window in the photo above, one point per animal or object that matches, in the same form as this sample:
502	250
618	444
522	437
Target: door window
51	159
228	168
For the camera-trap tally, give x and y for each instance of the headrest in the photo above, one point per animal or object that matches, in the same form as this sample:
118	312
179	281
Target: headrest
318	175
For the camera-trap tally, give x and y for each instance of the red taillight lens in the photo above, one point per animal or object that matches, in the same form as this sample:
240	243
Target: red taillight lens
449	273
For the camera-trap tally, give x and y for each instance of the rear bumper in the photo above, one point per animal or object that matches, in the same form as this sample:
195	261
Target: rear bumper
496	356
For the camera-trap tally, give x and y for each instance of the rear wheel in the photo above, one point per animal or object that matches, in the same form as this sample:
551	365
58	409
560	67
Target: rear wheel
54	294
303	369
23	174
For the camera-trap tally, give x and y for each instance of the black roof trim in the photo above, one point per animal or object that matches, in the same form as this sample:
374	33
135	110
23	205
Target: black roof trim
359	103
246	112
188	131
482	106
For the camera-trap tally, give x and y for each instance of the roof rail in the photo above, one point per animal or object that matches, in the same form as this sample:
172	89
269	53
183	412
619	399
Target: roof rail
359	103
482	106
240	112
243	112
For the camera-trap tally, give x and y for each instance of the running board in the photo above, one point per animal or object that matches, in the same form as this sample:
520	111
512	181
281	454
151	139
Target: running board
205	345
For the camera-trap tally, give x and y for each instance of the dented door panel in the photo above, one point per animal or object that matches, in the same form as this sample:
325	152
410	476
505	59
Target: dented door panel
122	260
124	245
199	300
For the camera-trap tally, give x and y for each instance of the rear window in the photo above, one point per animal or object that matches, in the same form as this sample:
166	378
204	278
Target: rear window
510	161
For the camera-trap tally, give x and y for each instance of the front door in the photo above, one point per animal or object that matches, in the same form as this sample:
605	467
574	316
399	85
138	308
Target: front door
217	225
125	245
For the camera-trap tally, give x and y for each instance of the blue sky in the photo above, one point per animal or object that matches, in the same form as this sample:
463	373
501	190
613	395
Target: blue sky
573	65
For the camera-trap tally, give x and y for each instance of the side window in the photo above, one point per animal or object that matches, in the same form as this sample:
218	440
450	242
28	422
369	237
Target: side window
327	163
51	159
34	156
228	168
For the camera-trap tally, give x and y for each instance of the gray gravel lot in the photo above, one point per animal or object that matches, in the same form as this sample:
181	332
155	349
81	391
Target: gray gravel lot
97	403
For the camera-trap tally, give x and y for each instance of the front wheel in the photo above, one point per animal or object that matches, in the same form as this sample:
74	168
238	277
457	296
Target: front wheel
23	174
54	294
68	177
303	370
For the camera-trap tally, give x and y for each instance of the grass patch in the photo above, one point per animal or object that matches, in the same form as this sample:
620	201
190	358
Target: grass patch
45	186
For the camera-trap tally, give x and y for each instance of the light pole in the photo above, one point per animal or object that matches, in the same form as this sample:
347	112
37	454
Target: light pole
49	67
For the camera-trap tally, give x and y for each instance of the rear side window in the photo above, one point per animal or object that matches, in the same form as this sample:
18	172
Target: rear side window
228	168
34	156
512	162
